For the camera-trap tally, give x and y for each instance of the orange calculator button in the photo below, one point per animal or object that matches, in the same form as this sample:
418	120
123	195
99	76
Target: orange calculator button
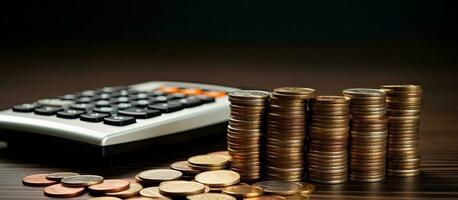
169	89
190	91
215	94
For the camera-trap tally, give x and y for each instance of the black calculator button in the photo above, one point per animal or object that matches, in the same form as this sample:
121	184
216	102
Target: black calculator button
88	93
68	97
124	93
157	93
47	110
119	120
166	107
205	99
102	103
121	99
141	103
139	96
159	99
82	106
70	114
140	113
27	107
104	96
93	117
176	96
122	106
189	102
107	110
84	99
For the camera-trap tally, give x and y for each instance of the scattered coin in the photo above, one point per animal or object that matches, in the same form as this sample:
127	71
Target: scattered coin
279	187
147	198
157	175
183	167
105	198
111	185
266	197
208	161
37	180
60	175
243	191
210	196
81	180
218	178
58	190
134	189
152	192
181	188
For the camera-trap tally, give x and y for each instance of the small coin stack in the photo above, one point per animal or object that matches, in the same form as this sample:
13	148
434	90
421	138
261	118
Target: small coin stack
368	134
404	108
329	132
246	131
285	142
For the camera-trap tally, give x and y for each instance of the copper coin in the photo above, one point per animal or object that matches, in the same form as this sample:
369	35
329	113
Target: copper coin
133	190
60	175
105	198
37	180
110	185
58	190
184	167
267	197
147	198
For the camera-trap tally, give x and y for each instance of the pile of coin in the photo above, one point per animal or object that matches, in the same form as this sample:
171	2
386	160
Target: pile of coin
369	133
329	135
285	141
404	108
246	131
167	184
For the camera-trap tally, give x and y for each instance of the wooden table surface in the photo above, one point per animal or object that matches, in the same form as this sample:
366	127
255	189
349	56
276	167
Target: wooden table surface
32	73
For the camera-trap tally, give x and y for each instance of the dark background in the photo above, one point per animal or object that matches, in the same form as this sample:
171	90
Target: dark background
50	48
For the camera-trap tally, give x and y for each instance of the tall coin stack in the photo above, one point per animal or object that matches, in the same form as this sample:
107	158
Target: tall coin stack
246	131
404	108
329	133
285	142
369	131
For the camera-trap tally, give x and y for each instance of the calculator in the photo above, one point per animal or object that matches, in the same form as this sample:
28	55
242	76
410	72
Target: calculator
113	116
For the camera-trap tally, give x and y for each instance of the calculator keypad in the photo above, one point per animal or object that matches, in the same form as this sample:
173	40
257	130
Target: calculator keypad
119	106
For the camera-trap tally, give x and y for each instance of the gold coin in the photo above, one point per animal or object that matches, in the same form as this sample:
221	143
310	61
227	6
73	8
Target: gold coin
159	175
218	178
134	189
181	188
243	191
210	196
104	198
183	167
152	192
208	160
60	175
266	197
279	187
81	180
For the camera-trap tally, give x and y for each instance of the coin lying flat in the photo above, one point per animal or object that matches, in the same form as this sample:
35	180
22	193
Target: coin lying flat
208	160
81	180
183	167
210	196
105	198
111	185
181	188
243	191
221	153
60	175
58	190
218	178
152	192
134	189
146	198
158	175
279	187
37	180
267	197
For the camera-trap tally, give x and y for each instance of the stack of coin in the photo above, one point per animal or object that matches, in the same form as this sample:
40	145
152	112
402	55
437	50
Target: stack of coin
246	131
369	133
329	131
404	107
285	141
